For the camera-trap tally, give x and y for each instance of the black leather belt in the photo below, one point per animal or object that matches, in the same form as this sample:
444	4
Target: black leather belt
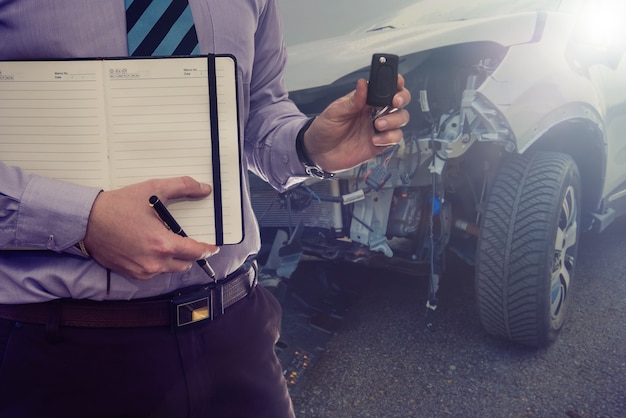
187	306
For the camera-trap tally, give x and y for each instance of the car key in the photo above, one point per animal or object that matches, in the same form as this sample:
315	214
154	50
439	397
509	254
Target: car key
383	80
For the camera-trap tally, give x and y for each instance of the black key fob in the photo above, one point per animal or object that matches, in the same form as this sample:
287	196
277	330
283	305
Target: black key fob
383	82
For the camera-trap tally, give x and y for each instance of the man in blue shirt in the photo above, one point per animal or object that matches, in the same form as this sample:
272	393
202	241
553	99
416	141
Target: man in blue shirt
67	251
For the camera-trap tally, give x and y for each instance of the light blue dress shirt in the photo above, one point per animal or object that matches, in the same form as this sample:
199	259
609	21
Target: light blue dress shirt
41	219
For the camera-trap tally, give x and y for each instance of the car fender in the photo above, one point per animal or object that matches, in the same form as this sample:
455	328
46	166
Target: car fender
537	86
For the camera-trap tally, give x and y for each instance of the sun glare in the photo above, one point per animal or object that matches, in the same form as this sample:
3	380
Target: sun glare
603	22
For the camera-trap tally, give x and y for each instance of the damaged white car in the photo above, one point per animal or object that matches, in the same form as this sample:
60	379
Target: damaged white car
516	145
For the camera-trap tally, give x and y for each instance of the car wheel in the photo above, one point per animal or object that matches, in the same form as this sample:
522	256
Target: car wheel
527	248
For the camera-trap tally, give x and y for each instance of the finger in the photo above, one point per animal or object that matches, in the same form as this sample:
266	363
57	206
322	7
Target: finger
387	138
402	98
188	249
179	266
400	82
175	255
148	271
393	120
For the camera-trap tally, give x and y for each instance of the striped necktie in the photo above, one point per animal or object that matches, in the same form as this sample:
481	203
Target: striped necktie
160	27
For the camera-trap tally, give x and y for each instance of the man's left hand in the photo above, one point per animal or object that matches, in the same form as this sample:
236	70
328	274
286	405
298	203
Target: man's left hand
343	135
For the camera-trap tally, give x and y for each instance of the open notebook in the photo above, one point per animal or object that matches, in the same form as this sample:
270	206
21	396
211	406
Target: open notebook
113	122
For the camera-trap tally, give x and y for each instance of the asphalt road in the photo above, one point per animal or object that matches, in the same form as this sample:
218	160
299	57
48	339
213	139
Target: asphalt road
376	358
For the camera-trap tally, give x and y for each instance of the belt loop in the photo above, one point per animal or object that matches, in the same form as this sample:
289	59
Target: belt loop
255	279
219	291
53	322
108	282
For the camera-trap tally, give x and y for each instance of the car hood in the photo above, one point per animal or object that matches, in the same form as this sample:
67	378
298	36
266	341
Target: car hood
323	61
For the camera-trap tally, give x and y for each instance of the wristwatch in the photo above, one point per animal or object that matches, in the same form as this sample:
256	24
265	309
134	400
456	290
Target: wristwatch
312	169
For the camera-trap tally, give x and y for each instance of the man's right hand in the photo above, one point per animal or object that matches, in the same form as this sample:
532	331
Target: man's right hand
125	235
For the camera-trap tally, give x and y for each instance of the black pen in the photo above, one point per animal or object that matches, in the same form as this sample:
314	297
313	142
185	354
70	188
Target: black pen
171	223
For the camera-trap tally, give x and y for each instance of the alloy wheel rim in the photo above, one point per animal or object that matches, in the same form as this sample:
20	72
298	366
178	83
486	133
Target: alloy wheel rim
564	250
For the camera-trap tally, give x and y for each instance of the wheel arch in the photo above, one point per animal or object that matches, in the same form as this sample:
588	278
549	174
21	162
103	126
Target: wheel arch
584	141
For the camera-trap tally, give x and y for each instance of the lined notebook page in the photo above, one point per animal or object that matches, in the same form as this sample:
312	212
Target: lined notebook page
56	116
159	127
52	120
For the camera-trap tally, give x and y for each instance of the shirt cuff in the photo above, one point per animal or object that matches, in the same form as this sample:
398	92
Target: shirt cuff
53	214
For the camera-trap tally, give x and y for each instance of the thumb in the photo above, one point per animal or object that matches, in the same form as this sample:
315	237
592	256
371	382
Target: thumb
183	187
359	98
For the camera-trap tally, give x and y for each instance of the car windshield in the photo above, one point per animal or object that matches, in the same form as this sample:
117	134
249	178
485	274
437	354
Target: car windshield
309	20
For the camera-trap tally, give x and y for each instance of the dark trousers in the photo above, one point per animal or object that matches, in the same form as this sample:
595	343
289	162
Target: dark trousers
225	368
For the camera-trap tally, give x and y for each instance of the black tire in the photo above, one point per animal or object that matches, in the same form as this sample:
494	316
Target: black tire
527	248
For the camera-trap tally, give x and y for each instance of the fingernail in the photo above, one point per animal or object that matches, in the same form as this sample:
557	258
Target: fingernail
381	124
399	101
384	145
205	187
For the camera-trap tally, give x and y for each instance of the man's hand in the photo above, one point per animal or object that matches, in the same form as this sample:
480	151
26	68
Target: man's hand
343	136
125	234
